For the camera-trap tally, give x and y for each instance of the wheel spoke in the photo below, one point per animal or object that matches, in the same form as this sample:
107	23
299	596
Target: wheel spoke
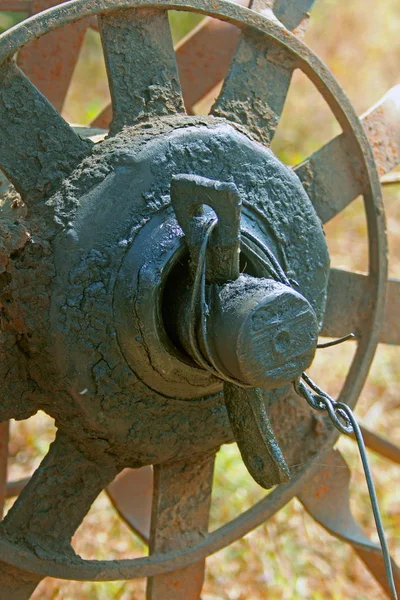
131	493
44	148
382	125
181	503
332	176
256	87
14	488
51	507
49	61
103	119
141	65
294	14
348	306
204	56
380	445
391	327
346	292
326	498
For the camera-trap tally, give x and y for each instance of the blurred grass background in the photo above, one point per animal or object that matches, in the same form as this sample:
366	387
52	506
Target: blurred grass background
289	557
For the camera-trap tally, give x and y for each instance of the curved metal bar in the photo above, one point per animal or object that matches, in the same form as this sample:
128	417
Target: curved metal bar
4	434
112	570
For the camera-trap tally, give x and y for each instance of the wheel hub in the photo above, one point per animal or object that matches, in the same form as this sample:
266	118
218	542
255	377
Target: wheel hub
123	251
126	374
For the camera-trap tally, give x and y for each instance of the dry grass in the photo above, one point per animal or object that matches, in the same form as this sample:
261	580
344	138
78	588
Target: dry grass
290	557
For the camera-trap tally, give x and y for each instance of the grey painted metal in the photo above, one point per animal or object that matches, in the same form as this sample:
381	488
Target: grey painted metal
141	66
189	195
204	55
244	315
269	315
254	435
143	339
57	482
255	89
292	14
38	159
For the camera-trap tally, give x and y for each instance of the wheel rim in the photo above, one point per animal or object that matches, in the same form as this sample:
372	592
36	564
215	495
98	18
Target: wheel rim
19	36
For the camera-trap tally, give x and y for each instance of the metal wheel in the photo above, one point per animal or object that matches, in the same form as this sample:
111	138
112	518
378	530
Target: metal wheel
90	448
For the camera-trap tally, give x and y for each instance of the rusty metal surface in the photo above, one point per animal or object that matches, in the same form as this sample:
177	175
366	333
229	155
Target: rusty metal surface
326	498
14	488
104	118
256	86
381	446
381	124
349	303
49	62
204	56
255	436
68	565
16	5
181	505
131	493
18	584
332	176
146	567
58	481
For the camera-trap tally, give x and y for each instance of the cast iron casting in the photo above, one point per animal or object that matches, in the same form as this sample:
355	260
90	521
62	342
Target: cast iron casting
101	253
